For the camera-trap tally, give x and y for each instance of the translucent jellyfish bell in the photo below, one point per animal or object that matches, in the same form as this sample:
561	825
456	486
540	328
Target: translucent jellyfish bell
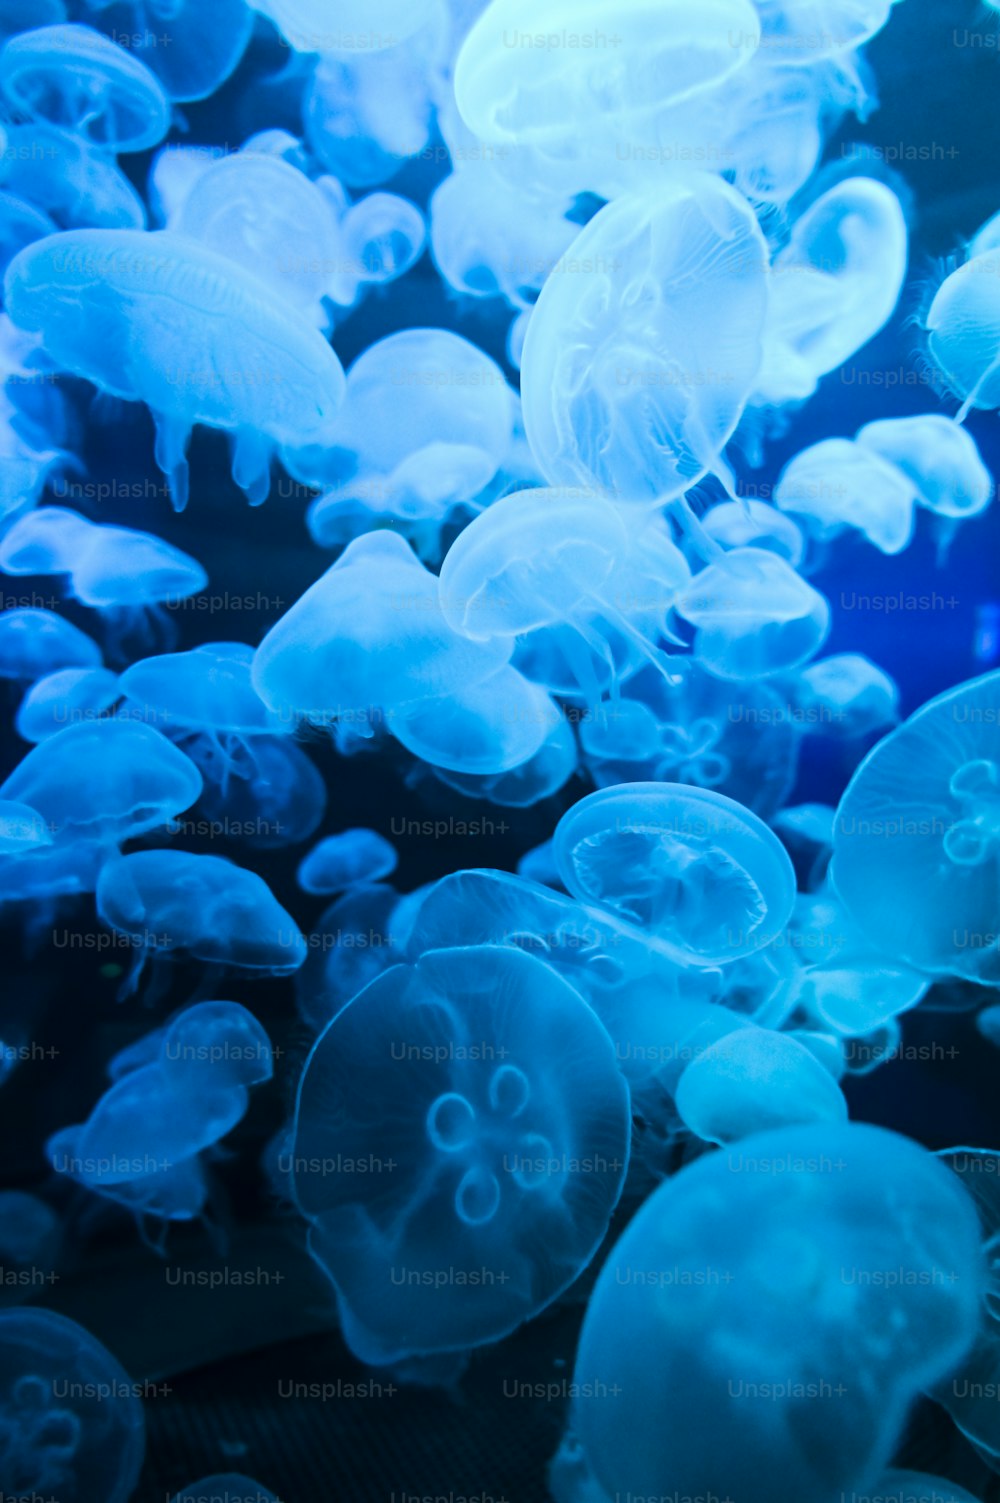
383	236
839	484
939	457
47	540
65	698
916	837
754	1080
72	76
342	861
20	225
72	1421
696	1321
109	780
702	875
755	524
753	615
193	52
509	1138
239	362
635	370
202	906
35	642
30	1238
21	828
963	333
846	696
78	185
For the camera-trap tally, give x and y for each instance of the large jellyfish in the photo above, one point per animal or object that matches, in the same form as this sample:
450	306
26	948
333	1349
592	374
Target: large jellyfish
170	1101
73	76
702	875
754	615
916	837
767	1319
507	1147
963	333
636	368
35	642
233	360
71	1420
201	906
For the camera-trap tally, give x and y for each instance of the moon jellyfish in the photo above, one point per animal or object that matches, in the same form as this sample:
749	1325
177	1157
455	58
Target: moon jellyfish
939	457
108	780
509	1141
753	615
806	831
71	1418
45	541
353	941
35	642
367	637
78	185
530	781
193	52
635	370
235	1487
487	728
755	524
383	236
236	360
697	1323
342	861
30	1239
700	874
754	1080
21	828
275	796
963	334
916	837
846	697
65	698
839	484
72	76
20	225
833	286
168	1103
200	906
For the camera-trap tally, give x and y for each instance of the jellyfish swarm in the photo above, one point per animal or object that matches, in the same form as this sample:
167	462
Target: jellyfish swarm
636	369
916	837
156	318
72	76
507	1142
753	615
963	333
174	1097
342	861
71	1421
701	875
204	907
749	1325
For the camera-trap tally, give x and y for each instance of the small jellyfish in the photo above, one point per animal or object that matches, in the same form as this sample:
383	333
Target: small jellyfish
65	698
20	224
34	643
30	1239
845	697
382	236
839	484
22	828
70	1416
342	861
699	873
963	333
275	796
74	77
939	457
833	286
236	1487
769	1317
241	362
173	902
167	1105
636	369
755	524
45	541
753	615
76	184
508	1144
754	1080
484	729
353	941
917	834
369	636
106	781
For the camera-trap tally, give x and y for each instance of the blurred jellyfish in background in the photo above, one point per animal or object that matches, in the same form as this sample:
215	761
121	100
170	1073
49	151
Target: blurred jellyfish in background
66	697
345	860
31	1237
71	1417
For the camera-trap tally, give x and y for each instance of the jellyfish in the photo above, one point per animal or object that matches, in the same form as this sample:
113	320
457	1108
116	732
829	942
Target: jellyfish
806	831
383	237
275	797
66	697
940	459
30	1239
508	1148
192	52
74	77
22	828
71	1418
697	1321
205	907
47	540
755	524
916	837
539	866
487	728
105	780
264	214
846	697
369	636
168	1105
635	370
833	286
306	25
963	334
240	362
343	861
754	1080
34	643
76	184
21	224
753	615
839	484
236	1487
702	876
